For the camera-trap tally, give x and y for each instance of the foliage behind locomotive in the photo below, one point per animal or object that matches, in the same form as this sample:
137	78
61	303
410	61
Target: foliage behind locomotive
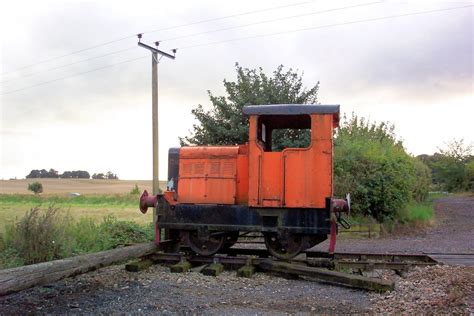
216	192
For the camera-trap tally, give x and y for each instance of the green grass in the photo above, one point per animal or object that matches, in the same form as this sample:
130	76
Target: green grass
415	213
94	207
420	212
357	219
48	234
117	200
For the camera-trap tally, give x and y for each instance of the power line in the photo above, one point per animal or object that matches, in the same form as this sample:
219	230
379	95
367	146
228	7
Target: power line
272	20
325	26
228	16
70	64
74	75
201	33
251	37
153	31
69	54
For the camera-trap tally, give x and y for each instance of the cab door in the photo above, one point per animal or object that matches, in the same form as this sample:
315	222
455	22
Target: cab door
265	172
307	172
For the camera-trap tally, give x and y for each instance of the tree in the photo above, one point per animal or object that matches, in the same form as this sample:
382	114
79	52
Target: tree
111	176
43	173
35	187
34	174
450	167
100	176
423	180
225	124
372	165
470	174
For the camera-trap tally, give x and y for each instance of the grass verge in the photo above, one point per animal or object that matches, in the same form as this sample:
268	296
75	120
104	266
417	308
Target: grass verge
96	207
49	234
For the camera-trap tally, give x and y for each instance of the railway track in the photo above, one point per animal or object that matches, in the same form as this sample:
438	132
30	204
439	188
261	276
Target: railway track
343	268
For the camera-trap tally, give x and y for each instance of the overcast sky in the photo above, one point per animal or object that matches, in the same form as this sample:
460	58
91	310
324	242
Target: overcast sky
415	71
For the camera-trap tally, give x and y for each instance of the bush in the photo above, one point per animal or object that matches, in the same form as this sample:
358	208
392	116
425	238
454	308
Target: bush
135	190
38	236
35	187
371	164
48	235
422	180
470	175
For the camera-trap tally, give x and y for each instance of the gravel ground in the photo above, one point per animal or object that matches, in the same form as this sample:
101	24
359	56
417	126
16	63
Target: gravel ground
452	232
431	290
438	289
113	290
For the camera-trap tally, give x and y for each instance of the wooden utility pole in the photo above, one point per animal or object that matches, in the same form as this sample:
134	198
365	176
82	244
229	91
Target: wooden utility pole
154	114
154	86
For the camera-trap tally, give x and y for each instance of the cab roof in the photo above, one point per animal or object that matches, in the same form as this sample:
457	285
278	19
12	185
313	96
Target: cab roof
290	109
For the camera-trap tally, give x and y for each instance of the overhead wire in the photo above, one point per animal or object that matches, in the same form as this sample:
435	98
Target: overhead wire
69	64
270	21
75	75
201	33
324	26
68	54
154	31
258	36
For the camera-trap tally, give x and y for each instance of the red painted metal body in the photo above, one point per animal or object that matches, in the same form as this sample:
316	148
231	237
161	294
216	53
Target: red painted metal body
259	177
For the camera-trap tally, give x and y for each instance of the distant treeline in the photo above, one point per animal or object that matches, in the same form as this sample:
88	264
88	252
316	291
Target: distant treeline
77	174
452	168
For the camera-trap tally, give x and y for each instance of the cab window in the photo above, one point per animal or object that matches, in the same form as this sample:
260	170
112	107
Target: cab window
277	132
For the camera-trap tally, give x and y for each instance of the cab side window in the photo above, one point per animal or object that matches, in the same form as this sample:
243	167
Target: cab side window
277	132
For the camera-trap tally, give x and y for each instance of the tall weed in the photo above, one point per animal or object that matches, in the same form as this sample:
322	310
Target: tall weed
50	234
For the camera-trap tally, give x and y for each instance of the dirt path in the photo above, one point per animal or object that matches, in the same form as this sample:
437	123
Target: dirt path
113	290
453	232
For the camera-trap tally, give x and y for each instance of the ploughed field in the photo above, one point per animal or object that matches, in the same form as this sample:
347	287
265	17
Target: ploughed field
82	186
431	290
98	198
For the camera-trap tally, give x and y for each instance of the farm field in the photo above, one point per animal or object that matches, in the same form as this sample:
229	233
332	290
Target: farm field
82	186
98	199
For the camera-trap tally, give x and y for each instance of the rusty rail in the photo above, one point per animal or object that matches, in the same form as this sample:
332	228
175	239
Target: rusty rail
289	268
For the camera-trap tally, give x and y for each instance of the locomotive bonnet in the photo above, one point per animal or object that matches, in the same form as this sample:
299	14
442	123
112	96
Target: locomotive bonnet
217	193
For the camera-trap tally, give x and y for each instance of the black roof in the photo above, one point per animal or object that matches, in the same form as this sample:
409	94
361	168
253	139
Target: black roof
290	109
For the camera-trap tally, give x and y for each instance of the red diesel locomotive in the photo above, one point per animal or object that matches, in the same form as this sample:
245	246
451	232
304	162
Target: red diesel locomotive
215	193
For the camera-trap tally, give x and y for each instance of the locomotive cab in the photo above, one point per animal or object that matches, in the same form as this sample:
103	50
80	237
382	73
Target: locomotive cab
216	193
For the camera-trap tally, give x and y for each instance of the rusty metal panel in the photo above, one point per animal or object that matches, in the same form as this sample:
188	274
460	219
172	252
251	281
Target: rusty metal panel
208	175
270	183
209	152
242	195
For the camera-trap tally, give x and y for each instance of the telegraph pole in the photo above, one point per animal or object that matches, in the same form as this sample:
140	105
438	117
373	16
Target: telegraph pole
155	52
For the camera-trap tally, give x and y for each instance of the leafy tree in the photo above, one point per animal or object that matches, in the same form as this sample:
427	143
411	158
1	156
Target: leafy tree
422	180
43	173
225	123
34	174
371	164
470	174
79	174
111	176
450	165
98	176
35	187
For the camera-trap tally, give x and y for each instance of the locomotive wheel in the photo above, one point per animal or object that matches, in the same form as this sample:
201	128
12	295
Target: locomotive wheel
205	247
230	239
284	247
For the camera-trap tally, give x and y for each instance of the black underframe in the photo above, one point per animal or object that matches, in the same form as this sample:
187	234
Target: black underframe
219	217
